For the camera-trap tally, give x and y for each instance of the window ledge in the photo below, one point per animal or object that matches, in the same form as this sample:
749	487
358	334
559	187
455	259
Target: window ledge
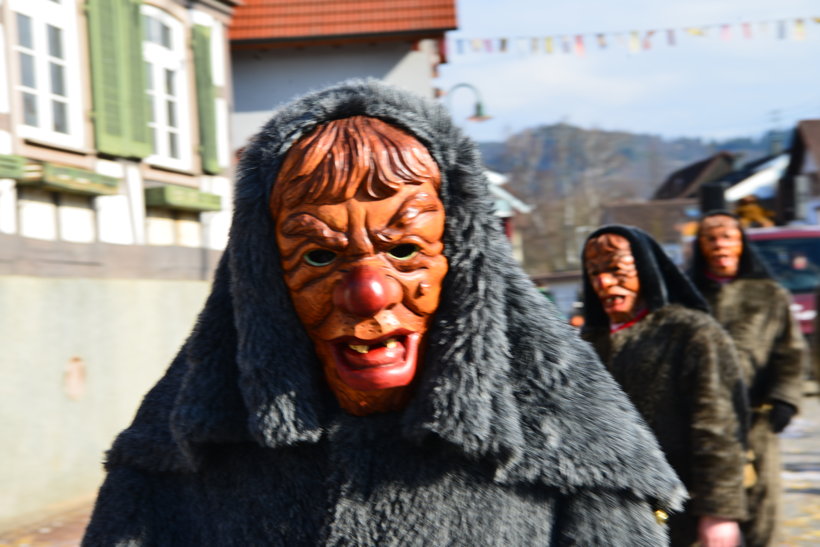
62	148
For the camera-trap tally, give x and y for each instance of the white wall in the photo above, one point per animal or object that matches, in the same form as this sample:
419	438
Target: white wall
78	355
265	79
77	219
8	206
38	214
216	225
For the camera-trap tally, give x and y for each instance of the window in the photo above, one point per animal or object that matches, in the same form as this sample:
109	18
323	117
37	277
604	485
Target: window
48	78
166	80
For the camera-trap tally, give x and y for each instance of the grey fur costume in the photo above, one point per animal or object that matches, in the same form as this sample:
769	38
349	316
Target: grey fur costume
515	435
755	311
680	370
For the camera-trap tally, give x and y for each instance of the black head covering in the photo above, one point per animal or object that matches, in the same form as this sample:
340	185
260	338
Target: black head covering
662	282
504	379
751	265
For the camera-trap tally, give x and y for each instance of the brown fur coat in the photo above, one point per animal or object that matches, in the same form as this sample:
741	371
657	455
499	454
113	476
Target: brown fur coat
678	367
680	370
771	348
768	339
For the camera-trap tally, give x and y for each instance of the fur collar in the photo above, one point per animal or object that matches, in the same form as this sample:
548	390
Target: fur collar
504	380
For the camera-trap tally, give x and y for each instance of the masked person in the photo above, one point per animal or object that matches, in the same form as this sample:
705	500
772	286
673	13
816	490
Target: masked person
754	309
373	368
649	326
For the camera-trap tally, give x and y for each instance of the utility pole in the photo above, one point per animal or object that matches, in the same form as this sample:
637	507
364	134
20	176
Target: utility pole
777	133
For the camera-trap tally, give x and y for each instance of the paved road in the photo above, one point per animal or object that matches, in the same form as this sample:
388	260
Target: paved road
800	445
800	449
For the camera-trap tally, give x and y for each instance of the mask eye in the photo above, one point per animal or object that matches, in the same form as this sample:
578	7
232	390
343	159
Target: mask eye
405	251
319	257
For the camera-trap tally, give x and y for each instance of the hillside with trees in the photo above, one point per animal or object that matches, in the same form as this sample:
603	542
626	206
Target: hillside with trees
568	174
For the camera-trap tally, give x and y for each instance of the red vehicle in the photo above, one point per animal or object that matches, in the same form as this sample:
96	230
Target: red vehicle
793	256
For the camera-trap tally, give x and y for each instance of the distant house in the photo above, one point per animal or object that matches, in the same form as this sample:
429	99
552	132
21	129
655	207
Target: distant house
798	196
686	182
758	177
507	206
669	221
280	49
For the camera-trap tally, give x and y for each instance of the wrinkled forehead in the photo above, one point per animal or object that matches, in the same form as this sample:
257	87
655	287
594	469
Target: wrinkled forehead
718	222
347	157
607	247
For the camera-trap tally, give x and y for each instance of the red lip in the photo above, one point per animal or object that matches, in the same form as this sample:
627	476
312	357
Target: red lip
380	367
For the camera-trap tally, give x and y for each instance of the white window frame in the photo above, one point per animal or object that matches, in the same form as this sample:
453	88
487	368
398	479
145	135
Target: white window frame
61	14
160	59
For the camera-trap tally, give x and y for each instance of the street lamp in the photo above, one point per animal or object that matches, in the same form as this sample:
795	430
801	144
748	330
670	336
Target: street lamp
478	112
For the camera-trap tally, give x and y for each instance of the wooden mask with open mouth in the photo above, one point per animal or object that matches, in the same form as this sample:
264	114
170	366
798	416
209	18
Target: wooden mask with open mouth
359	225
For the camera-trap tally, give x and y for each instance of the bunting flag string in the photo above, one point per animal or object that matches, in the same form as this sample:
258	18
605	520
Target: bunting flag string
634	41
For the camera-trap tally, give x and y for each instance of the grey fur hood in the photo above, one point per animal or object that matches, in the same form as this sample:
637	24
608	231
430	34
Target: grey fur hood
505	380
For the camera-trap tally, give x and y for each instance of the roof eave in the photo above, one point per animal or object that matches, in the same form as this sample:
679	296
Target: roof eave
313	40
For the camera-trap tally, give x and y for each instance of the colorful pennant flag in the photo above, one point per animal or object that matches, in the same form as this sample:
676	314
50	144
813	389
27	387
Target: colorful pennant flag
635	40
579	45
647	40
799	30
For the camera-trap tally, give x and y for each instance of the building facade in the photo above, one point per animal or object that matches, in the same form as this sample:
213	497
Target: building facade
115	196
283	49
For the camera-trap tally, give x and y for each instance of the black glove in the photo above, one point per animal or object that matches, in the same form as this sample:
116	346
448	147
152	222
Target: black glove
780	415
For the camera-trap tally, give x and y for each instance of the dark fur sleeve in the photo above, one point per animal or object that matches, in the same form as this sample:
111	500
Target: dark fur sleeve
120	514
787	355
607	519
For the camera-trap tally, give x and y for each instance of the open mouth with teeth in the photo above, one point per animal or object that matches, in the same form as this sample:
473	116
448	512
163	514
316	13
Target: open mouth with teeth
366	365
614	300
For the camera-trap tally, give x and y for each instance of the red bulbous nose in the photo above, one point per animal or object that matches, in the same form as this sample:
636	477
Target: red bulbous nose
364	291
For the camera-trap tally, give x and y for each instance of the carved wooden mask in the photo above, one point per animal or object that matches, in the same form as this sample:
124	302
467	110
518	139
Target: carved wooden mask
359	224
610	265
721	243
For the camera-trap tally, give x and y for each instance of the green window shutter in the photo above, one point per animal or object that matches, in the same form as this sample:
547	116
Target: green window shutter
206	98
137	102
115	40
182	198
104	31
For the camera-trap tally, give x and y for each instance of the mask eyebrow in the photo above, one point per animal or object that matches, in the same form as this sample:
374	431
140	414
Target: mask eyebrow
309	227
409	212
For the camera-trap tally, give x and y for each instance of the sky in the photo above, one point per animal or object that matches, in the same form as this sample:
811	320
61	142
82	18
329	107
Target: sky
716	86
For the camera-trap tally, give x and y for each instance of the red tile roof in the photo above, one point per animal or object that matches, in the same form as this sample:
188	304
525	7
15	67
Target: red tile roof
293	20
